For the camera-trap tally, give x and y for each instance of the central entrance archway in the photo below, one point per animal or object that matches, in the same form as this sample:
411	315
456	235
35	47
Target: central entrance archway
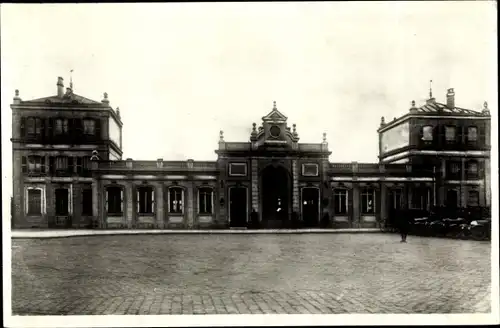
276	196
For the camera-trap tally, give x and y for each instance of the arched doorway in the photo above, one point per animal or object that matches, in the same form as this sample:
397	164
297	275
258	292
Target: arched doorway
276	196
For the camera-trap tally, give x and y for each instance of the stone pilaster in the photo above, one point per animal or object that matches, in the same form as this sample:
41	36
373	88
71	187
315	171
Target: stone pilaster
190	206
487	182
159	206
129	204
295	187
255	185
441	187
355	206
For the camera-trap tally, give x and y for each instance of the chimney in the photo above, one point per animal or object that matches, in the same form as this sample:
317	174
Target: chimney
450	99
60	87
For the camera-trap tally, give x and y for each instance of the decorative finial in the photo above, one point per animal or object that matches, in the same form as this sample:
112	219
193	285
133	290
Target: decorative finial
430	89
324	136
105	95
254	127
17	93
294	127
382	120
485	105
274	105
118	111
413	103
221	136
95	155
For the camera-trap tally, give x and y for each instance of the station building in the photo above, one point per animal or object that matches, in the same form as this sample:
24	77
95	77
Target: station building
68	171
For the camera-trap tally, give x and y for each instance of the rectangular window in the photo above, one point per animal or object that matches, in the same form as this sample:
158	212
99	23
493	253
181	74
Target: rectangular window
114	200
176	200
205	201
473	198
450	134
83	164
145	200
397	199
427	133
36	164
471	134
420	198
61	126
238	169
87	201
472	169
340	201
34	202
34	126
89	127
368	201
310	170
61	163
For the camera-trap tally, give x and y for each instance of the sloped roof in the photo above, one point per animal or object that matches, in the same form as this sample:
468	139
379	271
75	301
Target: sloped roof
435	107
66	99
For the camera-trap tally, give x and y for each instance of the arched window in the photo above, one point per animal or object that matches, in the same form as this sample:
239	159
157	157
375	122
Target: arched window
176	200
205	200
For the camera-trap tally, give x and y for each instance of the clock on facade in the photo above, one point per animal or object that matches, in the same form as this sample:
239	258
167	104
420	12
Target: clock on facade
275	131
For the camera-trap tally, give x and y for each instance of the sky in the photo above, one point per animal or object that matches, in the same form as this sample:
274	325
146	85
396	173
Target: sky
180	73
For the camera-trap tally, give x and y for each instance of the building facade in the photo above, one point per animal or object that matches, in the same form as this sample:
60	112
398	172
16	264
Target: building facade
68	171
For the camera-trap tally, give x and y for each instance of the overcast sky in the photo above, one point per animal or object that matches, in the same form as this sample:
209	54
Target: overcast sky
182	72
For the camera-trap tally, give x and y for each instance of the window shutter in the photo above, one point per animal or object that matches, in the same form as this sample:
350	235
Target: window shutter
153	200
98	129
24	165
138	201
121	200
23	126
107	200
71	167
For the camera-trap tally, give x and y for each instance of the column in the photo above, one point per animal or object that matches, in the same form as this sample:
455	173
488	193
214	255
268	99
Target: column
355	206
487	182
255	185
159	206
295	188
129	206
462	197
383	202
190	205
442	183
95	206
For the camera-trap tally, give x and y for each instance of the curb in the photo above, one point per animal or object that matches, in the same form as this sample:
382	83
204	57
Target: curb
84	233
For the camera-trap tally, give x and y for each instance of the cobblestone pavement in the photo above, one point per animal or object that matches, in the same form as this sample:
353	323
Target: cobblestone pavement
226	274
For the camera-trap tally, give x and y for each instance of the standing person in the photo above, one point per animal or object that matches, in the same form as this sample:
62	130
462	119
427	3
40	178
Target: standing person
404	226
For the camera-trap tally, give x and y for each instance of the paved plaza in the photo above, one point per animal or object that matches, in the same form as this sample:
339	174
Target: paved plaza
247	273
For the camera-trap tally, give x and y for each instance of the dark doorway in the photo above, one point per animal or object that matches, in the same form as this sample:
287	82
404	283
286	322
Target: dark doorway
394	206
237	207
452	199
310	207
62	207
276	195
